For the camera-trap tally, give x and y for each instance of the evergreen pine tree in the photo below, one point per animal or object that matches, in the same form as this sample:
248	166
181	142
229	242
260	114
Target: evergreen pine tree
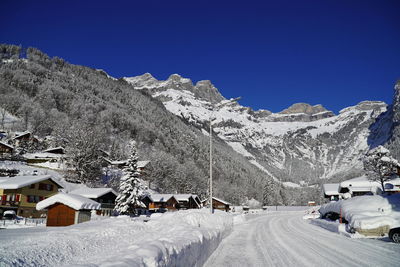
269	193
130	189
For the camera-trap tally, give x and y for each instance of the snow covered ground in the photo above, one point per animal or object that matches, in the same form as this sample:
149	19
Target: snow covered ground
184	238
285	239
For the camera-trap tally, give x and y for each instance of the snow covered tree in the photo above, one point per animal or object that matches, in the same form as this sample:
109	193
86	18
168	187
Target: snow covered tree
380	165
130	188
269	193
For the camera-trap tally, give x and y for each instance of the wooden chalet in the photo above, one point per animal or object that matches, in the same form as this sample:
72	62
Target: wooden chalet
67	209
188	201
218	204
105	196
141	164
21	193
6	148
25	137
160	202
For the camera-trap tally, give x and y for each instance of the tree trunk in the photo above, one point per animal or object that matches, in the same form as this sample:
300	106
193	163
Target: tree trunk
383	188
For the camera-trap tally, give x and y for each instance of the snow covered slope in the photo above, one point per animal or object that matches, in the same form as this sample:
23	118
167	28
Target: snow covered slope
301	144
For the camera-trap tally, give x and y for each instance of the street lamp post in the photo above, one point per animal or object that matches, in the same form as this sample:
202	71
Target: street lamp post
211	120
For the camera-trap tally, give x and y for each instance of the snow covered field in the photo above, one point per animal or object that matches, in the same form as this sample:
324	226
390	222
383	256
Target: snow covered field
184	238
285	239
188	238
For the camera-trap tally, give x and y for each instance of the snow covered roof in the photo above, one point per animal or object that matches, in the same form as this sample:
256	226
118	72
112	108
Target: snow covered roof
161	197
222	201
73	201
19	135
143	163
7	145
55	150
43	155
360	184
140	164
93	192
22	181
331	189
185	197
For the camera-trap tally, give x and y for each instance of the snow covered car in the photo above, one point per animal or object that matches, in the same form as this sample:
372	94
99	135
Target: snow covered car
9	215
394	234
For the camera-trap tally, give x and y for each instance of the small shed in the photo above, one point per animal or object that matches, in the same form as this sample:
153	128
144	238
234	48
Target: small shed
331	191
67	209
219	204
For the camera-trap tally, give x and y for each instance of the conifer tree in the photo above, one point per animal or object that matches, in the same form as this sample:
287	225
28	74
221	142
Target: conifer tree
130	189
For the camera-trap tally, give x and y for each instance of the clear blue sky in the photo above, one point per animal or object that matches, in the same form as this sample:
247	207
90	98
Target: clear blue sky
272	53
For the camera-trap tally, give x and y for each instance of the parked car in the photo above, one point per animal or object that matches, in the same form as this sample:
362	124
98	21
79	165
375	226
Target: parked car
394	234
9	215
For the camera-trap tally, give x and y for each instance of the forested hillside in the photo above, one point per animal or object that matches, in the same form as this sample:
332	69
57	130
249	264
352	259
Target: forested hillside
88	111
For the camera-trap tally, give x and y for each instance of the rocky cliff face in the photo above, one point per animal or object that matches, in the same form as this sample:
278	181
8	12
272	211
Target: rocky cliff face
301	145
394	118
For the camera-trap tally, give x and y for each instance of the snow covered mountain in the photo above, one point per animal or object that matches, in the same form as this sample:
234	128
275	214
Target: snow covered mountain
299	145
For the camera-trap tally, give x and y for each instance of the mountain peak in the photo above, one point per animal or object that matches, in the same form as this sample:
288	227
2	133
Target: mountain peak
304	108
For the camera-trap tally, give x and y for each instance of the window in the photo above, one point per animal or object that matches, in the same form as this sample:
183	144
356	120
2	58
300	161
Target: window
47	187
32	186
34	199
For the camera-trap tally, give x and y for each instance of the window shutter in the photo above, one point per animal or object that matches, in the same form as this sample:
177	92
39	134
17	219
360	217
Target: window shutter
17	198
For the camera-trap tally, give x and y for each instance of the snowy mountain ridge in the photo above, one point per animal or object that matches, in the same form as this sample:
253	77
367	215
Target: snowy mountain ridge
301	144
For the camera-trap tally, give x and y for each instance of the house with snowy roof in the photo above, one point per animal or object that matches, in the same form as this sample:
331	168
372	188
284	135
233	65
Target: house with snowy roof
21	193
67	209
363	186
359	186
160	202
24	137
331	191
188	201
218	204
105	196
141	164
6	148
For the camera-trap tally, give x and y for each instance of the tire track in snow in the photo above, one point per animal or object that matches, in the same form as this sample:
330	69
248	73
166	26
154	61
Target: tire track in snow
285	239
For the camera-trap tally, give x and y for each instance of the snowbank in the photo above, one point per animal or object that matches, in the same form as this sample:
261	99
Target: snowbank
183	238
367	212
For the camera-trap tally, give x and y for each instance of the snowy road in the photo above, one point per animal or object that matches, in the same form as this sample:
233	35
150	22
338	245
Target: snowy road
285	239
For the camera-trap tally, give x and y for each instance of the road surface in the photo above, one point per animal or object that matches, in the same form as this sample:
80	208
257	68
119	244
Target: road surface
285	239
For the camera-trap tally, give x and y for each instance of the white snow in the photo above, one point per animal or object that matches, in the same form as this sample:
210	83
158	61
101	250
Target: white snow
183	238
331	189
22	181
161	197
367	212
93	192
285	239
76	202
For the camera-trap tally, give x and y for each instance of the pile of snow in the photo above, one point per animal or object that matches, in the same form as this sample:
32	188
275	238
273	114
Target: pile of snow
183	238
367	212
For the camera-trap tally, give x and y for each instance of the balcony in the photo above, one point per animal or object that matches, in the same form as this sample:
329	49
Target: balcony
10	203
